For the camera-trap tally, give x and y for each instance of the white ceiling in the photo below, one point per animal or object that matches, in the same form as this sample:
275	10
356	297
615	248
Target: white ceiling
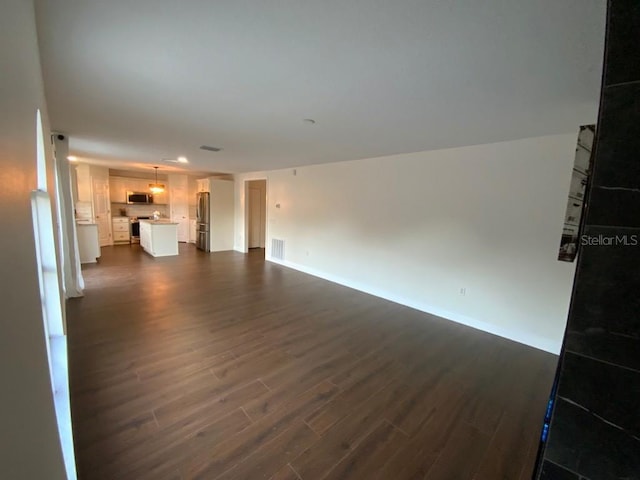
140	80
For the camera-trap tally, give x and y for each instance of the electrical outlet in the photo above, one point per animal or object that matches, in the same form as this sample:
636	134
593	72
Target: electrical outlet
463	291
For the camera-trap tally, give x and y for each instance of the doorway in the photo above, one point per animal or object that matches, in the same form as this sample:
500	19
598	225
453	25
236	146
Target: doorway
256	214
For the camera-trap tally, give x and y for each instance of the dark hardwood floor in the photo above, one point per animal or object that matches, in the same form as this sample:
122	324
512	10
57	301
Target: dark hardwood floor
223	366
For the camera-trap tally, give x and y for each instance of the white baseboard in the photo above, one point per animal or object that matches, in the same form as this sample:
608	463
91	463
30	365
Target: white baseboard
526	338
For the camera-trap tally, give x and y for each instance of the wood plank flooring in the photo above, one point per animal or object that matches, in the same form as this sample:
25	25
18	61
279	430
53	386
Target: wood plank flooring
223	366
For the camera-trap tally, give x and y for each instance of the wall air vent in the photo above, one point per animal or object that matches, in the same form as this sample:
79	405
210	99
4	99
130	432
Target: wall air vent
277	249
210	149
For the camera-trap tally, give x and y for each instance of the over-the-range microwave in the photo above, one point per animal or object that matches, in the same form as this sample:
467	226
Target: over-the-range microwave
134	198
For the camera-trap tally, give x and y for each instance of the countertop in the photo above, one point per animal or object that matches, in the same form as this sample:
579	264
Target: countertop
159	222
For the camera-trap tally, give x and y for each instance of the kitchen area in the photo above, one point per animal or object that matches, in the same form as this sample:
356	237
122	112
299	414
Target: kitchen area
150	209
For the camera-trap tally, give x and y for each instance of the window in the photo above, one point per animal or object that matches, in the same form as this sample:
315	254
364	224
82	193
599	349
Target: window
51	302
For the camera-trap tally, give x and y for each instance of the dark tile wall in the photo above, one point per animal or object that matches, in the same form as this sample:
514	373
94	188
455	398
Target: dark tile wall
594	432
551	471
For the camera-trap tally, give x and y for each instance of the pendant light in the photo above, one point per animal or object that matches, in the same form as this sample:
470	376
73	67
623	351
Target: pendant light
156	187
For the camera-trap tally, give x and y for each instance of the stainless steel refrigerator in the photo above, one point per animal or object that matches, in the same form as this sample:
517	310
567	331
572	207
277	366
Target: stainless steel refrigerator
203	221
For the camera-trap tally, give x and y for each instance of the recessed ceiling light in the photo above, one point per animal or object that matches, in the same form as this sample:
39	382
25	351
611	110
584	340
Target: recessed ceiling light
310	121
183	160
72	158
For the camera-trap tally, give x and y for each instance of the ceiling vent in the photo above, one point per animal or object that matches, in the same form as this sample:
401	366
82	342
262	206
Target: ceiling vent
210	149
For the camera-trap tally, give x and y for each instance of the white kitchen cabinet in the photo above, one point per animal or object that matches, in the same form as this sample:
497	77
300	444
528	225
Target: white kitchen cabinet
88	246
120	186
121	238
159	238
121	230
161	198
118	190
140	184
145	235
203	185
130	185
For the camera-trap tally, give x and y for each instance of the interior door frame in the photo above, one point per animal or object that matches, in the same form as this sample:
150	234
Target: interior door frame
245	199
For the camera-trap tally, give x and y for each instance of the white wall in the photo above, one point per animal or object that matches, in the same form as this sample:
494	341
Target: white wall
417	228
29	442
222	215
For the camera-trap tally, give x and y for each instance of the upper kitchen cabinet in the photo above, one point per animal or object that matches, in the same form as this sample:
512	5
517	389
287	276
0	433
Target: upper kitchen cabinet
142	185
138	185
118	189
207	184
203	185
121	185
161	198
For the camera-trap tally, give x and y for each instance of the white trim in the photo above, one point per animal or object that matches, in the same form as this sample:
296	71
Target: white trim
62	402
526	338
55	339
41	158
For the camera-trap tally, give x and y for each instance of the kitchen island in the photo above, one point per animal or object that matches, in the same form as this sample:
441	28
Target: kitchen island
159	238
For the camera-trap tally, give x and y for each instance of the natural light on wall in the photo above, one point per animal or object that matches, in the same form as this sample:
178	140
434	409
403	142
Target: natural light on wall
51	302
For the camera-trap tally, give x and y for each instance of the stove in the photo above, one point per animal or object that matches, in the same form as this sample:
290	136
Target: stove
135	228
